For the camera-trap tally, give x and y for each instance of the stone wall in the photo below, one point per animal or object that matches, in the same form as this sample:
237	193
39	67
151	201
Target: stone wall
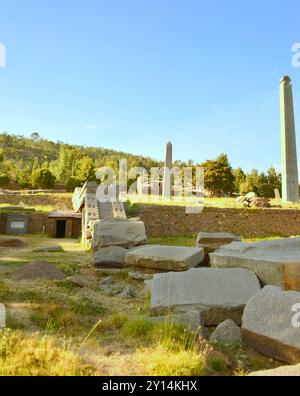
57	200
249	223
40	223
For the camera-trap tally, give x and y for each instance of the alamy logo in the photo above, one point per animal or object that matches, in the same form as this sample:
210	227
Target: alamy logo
2	56
296	56
2	316
182	185
296	317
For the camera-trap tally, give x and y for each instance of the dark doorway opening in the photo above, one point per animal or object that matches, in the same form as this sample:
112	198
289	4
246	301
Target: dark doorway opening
61	228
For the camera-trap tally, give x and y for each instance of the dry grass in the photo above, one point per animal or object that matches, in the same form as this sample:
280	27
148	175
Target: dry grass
124	340
22	354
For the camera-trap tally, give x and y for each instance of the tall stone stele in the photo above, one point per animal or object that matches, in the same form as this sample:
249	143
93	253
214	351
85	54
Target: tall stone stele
167	180
290	187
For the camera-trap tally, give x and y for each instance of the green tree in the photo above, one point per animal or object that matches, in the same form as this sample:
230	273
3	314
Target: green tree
218	177
239	178
72	183
42	178
65	166
24	177
274	178
252	181
86	170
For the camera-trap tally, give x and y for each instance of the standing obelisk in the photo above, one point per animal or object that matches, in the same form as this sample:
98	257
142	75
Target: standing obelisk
167	182
290	187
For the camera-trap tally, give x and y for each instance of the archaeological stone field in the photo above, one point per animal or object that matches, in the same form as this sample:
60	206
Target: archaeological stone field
164	273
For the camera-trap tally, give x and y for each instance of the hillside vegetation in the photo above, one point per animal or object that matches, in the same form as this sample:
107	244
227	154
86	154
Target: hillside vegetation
39	163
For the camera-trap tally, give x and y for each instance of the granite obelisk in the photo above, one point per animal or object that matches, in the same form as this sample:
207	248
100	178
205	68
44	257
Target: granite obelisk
290	185
167	181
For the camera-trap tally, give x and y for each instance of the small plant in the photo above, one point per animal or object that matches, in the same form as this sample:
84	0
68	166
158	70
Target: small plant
217	364
139	327
69	269
121	275
116	321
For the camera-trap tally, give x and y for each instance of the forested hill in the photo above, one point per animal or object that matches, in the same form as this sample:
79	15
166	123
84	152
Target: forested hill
20	148
20	156
40	163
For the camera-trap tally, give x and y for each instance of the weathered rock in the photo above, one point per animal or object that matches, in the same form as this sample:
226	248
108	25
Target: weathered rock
140	276
210	241
217	294
123	233
191	320
227	332
251	195
261	202
128	292
50	249
39	269
276	262
106	281
177	258
75	281
283	371
270	324
110	257
147	288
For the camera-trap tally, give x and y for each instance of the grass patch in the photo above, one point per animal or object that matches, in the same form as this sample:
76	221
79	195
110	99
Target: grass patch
139	327
163	362
177	352
121	275
217	364
114	322
69	269
23	355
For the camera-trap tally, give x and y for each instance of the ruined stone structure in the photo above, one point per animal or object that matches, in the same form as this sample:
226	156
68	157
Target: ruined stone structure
85	202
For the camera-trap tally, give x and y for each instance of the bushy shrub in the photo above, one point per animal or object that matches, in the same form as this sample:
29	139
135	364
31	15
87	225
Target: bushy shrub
42	178
4	180
266	190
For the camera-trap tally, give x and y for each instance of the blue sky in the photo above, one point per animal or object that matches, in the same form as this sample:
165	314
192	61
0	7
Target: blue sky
132	74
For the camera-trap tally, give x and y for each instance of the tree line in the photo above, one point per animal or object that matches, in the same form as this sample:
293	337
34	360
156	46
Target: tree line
39	163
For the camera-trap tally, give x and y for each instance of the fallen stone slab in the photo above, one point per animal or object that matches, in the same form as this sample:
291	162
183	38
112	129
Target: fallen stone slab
176	258
110	257
123	233
283	371
191	320
74	280
147	287
271	324
227	332
210	241
219	294
39	269
50	248
108	280
275	262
